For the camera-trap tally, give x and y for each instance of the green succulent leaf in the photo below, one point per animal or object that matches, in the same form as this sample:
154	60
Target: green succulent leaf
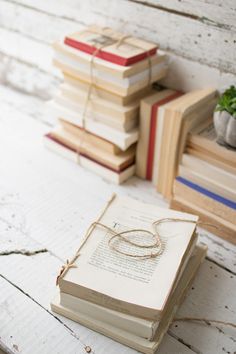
227	102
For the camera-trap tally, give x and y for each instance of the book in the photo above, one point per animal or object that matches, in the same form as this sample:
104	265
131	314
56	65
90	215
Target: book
176	114
101	65
212	159
211	172
126	336
91	138
105	94
211	184
124	52
89	164
210	221
139	287
205	199
80	144
122	139
151	113
119	117
203	139
139	326
119	86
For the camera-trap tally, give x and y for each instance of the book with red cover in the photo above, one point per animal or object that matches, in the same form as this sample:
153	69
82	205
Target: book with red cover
130	50
147	149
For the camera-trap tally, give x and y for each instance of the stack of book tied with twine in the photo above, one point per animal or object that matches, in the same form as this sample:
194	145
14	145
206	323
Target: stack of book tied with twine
131	272
106	74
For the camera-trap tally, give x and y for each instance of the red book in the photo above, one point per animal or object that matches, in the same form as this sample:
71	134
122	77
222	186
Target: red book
150	130
128	51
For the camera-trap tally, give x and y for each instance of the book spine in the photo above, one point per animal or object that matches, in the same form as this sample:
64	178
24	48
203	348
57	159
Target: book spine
152	133
222	228
203	200
229	203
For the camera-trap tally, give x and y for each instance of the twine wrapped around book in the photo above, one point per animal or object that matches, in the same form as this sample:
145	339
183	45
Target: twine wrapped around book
157	244
98	46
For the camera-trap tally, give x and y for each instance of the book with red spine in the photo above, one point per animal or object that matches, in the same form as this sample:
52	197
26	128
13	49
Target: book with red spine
114	46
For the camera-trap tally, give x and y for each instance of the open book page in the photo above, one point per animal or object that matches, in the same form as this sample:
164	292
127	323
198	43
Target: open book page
144	282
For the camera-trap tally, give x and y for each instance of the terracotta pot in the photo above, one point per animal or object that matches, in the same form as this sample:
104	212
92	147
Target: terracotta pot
225	126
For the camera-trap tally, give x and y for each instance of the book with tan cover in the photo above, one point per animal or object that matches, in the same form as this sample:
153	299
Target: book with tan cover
135	282
125	336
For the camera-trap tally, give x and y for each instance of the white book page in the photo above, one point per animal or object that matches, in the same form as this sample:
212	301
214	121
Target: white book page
146	282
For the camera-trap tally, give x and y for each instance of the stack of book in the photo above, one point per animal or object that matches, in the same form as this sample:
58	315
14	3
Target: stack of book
206	181
132	300
105	75
166	117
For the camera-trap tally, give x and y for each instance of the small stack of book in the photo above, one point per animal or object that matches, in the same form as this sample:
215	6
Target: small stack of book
105	75
166	117
206	181
132	300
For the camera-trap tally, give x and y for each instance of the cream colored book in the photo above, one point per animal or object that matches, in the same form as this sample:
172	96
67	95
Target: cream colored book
101	105
194	164
139	326
115	47
223	228
104	93
122	139
119	71
124	283
174	116
91	138
203	138
121	87
117	163
93	166
203	180
110	114
126	336
213	204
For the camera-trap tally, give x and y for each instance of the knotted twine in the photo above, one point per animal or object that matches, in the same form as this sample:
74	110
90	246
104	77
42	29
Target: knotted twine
157	243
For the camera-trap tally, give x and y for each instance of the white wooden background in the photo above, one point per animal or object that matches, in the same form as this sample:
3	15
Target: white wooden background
47	202
199	35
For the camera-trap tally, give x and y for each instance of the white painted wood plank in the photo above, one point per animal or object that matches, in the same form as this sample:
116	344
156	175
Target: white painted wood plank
25	49
25	327
36	277
27	78
192	39
26	61
212	297
213	13
35	24
186	75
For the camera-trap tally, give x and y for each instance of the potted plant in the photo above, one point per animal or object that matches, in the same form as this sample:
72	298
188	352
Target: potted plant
225	117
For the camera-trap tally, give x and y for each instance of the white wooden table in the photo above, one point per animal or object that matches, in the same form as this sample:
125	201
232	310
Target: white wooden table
46	203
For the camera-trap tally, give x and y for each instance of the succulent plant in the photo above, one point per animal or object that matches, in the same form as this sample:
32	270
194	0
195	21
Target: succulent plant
227	102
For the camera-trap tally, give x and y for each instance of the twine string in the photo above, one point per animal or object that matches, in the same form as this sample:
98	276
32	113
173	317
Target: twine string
118	42
157	244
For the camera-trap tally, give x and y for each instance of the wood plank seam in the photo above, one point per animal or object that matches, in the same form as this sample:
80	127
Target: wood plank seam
23	252
220	265
195	350
204	20
50	313
47	13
